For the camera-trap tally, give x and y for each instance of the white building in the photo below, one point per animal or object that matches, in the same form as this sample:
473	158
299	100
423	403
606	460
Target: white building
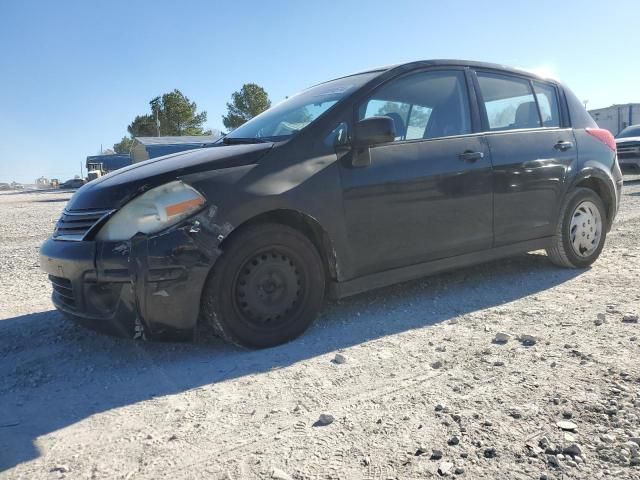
617	117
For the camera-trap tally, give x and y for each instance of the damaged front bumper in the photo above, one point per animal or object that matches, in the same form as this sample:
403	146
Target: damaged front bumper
153	282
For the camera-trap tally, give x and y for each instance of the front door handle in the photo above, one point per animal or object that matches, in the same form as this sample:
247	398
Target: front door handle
470	156
563	146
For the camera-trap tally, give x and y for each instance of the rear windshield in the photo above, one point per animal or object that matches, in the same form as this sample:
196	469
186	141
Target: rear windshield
293	114
632	131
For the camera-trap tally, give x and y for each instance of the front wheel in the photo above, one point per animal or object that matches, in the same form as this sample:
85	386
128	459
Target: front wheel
581	230
266	288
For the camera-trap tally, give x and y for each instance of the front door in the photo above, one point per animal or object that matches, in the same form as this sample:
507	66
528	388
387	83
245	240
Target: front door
428	194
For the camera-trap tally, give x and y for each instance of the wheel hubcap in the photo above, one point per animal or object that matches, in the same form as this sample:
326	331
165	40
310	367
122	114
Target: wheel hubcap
586	229
267	288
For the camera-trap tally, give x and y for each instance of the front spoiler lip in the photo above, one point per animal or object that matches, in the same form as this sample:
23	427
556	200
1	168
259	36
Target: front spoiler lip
119	324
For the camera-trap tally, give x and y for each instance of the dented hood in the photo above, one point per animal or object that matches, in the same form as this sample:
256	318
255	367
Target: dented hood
115	189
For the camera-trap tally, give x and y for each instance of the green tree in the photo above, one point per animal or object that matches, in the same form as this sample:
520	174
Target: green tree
177	115
394	107
142	126
250	101
123	146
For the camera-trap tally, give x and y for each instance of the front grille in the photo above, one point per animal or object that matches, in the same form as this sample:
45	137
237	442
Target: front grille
63	291
76	224
628	151
628	146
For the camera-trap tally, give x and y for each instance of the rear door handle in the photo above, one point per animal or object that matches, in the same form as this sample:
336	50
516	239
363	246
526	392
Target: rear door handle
562	145
470	156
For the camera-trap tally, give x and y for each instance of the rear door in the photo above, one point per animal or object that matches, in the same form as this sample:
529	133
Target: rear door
532	150
428	194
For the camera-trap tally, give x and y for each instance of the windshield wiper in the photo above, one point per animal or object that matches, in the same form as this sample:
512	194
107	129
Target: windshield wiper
240	141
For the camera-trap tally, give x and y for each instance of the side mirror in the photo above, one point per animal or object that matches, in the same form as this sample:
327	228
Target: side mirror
371	131
374	130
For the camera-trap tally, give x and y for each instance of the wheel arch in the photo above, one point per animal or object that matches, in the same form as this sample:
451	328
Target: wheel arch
302	222
599	182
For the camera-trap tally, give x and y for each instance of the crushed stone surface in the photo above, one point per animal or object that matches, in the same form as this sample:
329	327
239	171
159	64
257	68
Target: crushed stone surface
79	404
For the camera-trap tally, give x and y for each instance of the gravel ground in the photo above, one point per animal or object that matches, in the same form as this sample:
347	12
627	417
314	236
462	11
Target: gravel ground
403	382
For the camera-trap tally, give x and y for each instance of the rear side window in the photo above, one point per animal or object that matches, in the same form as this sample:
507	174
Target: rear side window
423	105
547	98
509	102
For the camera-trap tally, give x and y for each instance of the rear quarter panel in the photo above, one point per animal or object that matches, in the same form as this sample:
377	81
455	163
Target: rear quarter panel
596	160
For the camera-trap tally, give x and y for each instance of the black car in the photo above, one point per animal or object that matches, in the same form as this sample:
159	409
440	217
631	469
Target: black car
73	183
350	185
628	143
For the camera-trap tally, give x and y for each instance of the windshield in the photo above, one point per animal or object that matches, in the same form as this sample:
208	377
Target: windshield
632	131
293	114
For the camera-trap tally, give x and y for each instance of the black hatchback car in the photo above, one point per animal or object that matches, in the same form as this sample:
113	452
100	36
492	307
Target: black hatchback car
350	185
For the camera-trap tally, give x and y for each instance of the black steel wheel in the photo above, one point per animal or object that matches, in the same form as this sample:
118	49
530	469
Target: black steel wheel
266	288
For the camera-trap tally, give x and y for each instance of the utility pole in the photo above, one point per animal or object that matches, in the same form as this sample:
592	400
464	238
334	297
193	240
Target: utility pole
81	172
157	124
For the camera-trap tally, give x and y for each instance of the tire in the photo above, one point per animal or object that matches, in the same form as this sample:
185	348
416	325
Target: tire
585	204
266	288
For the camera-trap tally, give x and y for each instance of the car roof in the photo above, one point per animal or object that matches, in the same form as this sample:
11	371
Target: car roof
450	62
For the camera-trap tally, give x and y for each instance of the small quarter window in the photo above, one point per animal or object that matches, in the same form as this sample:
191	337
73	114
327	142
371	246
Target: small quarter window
509	102
548	103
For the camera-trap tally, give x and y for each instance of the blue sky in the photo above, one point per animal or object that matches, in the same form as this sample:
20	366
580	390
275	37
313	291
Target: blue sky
75	73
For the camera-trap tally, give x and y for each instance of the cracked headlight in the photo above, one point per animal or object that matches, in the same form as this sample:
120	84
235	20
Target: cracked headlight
155	210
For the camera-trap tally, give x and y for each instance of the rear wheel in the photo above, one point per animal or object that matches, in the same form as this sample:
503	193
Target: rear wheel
266	288
581	231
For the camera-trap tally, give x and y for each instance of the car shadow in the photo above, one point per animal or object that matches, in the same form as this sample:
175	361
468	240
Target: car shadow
54	374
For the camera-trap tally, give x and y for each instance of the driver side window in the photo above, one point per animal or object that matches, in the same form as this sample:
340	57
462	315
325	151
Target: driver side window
422	105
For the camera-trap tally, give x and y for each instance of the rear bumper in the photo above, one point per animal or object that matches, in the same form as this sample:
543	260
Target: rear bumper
153	281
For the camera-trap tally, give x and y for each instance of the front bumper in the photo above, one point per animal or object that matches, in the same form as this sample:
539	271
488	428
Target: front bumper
629	162
628	157
152	281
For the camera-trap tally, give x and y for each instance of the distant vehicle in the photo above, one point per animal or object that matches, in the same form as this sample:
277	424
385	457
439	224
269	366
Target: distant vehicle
4	186
100	165
350	185
628	143
73	183
17	186
93	174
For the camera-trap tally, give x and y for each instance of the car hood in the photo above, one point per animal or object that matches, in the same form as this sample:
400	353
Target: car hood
627	139
115	189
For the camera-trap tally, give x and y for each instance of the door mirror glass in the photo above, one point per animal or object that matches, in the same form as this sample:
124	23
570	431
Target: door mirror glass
371	131
375	130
